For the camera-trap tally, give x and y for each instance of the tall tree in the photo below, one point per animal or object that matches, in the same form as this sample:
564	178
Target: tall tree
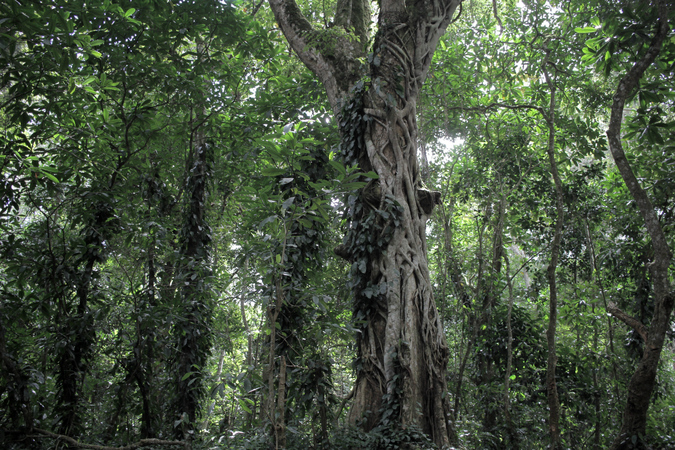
643	381
402	352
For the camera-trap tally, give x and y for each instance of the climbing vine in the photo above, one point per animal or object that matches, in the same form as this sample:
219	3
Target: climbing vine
372	220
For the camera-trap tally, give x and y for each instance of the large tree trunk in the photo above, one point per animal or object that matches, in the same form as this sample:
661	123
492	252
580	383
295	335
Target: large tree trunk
401	375
402	351
642	382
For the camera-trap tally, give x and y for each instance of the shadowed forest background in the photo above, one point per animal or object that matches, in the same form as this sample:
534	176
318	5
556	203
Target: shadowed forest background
206	241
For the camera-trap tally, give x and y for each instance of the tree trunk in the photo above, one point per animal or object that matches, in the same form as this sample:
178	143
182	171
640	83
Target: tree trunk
144	348
280	420
463	294
490	293
642	382
402	352
193	331
510	427
73	359
273	310
17	388
551	386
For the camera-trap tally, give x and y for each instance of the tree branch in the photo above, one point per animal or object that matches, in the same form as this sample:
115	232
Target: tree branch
496	14
330	55
491	106
626	86
628	320
343	403
139	444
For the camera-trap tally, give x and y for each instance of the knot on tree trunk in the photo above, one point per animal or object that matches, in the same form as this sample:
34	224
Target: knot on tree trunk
372	193
342	252
428	200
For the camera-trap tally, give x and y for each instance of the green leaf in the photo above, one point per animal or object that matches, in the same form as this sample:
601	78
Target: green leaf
585	30
272	172
305	222
187	375
287	203
339	167
243	405
50	176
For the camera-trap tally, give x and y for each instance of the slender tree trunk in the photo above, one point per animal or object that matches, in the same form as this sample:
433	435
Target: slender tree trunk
454	274
144	348
242	307
323	420
642	382
275	396
17	388
597	433
513	437
551	386
193	331
280	421
484	323
72	360
247	329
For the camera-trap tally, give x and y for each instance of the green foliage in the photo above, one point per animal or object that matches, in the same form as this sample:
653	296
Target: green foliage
371	222
382	438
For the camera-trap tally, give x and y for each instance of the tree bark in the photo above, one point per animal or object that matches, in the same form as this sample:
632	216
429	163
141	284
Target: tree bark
490	294
73	359
280	420
273	310
144	348
402	350
551	386
511	429
193	332
642	382
463	294
17	387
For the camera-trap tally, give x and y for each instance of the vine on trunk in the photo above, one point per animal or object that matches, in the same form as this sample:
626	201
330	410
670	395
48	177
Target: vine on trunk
372	221
371	218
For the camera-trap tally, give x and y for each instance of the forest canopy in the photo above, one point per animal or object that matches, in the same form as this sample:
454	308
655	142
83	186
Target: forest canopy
337	224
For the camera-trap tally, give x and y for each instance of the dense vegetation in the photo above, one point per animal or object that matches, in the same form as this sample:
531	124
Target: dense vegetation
176	189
